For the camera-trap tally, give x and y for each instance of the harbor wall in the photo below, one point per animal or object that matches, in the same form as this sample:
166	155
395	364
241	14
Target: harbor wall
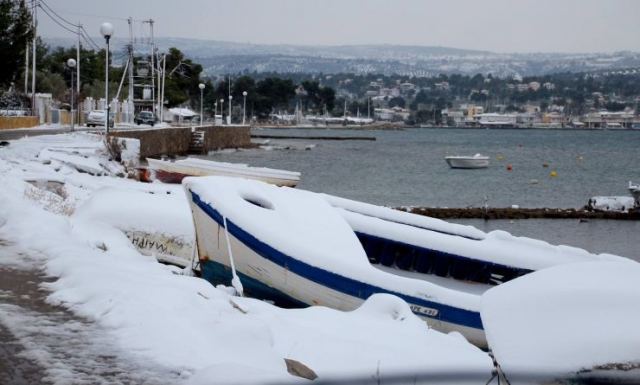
11	122
155	142
173	141
219	137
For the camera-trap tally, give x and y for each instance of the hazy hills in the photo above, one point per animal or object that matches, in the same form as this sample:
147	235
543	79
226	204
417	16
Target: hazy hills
230	57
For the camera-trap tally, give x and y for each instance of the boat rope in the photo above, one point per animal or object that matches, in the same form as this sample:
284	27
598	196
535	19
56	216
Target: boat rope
235	280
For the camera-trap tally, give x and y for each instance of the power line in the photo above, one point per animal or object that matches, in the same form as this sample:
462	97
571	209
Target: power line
87	38
55	13
57	22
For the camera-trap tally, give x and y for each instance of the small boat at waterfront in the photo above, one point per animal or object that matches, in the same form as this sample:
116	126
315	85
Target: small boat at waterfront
469	162
299	248
634	189
175	171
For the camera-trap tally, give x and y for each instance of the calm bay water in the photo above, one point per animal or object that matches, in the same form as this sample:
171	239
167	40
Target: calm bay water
408	168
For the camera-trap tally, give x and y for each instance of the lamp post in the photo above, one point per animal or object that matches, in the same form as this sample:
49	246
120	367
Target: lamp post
71	63
244	106
201	86
215	111
229	117
221	108
106	29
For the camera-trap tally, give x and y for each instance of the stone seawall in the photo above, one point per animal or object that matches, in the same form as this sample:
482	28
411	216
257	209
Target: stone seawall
219	137
155	142
173	141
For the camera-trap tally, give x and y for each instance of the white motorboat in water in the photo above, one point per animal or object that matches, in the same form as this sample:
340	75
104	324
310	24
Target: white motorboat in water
634	189
299	248
476	161
175	171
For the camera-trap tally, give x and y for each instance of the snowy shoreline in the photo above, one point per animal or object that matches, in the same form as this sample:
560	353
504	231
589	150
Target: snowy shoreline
67	214
177	322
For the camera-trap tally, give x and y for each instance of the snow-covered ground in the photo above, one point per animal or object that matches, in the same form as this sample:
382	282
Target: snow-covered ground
80	303
64	213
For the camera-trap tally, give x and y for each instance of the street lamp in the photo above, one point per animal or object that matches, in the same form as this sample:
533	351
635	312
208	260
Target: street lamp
215	111
71	63
106	29
229	117
221	108
244	106
201	86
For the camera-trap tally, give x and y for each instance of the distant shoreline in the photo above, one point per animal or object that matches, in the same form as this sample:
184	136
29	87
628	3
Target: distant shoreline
399	127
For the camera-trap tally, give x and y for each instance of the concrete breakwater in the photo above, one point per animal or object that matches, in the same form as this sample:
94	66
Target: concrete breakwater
520	213
260	136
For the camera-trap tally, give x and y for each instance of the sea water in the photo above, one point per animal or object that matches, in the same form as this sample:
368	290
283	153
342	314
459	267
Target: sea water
407	168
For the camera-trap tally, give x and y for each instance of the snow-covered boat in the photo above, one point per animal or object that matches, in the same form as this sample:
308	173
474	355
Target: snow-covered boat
476	161
634	189
299	248
175	171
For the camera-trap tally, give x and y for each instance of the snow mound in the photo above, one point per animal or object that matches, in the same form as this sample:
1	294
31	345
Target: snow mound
565	319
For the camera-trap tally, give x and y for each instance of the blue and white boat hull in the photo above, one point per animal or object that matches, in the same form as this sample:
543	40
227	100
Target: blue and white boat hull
268	273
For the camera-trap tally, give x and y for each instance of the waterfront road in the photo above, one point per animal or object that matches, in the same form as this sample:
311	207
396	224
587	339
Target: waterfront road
22	132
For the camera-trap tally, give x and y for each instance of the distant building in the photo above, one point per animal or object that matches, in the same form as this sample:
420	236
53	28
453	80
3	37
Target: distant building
606	119
406	87
391	114
473	111
526	119
534	86
442	86
453	117
371	93
496	120
554	119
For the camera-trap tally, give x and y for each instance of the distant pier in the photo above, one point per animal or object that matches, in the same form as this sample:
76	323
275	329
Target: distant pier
304	137
520	213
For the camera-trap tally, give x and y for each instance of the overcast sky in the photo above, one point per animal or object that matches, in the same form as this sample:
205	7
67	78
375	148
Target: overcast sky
494	25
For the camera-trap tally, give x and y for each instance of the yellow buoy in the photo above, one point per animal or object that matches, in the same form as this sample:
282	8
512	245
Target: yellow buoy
499	157
553	173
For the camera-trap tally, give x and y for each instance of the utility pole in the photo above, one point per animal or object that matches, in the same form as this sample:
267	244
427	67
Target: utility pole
33	58
153	81
78	62
26	68
159	72
130	72
164	68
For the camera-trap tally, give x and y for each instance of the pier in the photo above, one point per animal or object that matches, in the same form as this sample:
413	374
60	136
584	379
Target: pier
260	136
519	213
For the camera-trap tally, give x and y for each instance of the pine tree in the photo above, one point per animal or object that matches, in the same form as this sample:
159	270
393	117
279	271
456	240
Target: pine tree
15	31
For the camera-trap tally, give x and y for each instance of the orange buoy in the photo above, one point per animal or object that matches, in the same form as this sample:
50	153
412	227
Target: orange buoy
509	167
545	165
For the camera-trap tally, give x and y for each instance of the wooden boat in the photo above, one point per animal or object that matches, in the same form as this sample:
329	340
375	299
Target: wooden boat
471	162
175	171
298	248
